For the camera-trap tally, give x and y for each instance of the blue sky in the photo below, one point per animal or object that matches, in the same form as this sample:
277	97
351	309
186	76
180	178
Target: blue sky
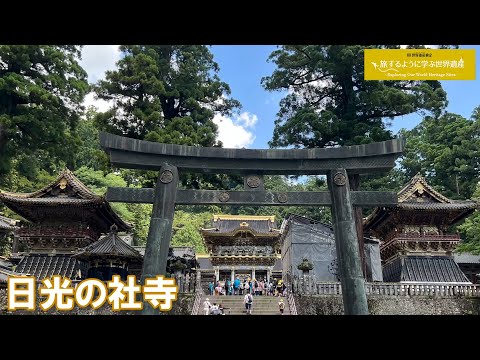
242	67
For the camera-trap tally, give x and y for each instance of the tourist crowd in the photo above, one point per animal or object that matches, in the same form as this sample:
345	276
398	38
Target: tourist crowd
253	286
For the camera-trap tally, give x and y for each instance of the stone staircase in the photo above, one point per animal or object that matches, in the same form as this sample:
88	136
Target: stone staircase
233	305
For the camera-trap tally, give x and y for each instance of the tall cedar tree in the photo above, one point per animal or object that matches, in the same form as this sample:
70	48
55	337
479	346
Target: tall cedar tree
41	89
168	94
329	103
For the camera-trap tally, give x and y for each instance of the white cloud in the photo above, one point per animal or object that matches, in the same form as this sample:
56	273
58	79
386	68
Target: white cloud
96	60
236	132
247	119
100	104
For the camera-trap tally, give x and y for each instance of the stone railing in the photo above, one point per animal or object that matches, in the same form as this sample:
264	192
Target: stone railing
198	293
291	304
423	289
197	302
306	285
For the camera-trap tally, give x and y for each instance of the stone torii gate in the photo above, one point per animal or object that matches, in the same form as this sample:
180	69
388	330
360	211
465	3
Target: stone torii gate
336	163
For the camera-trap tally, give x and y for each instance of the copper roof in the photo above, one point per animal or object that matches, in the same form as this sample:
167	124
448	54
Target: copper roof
458	205
43	265
419	185
65	191
110	245
204	263
419	196
66	177
424	269
231	224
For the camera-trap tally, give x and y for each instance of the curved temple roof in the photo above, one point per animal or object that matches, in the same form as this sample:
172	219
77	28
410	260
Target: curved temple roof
65	191
110	245
418	196
232	224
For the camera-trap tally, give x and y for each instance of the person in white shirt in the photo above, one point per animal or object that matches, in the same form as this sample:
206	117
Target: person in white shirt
281	306
248	301
206	306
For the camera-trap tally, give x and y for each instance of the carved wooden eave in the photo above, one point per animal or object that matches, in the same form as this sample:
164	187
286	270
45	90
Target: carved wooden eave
238	225
418	186
243	260
417	225
65	197
248	237
418	245
419	203
207	233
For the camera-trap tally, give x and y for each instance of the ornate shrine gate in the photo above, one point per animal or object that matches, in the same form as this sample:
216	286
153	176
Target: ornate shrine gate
336	163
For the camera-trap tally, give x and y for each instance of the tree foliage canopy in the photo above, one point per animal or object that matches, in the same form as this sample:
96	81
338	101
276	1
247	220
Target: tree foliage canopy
137	214
329	103
168	94
165	93
470	230
41	91
447	151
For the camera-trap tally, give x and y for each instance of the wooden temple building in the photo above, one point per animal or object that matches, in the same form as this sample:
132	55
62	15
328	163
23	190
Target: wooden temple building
243	246
109	256
415	243
63	218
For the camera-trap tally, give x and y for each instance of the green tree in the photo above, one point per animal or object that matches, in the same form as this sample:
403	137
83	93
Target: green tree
89	153
187	226
168	94
330	103
41	89
447	151
469	230
137	214
279	183
165	93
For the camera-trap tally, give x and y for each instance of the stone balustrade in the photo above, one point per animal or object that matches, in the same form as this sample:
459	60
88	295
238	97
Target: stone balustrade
307	285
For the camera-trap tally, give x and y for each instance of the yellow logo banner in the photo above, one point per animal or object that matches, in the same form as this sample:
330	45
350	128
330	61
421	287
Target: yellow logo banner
419	64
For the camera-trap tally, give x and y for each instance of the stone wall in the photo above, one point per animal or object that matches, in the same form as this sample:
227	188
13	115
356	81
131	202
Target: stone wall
391	305
182	306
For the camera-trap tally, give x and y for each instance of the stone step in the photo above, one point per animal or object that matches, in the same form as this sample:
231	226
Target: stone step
254	312
241	302
240	298
233	305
